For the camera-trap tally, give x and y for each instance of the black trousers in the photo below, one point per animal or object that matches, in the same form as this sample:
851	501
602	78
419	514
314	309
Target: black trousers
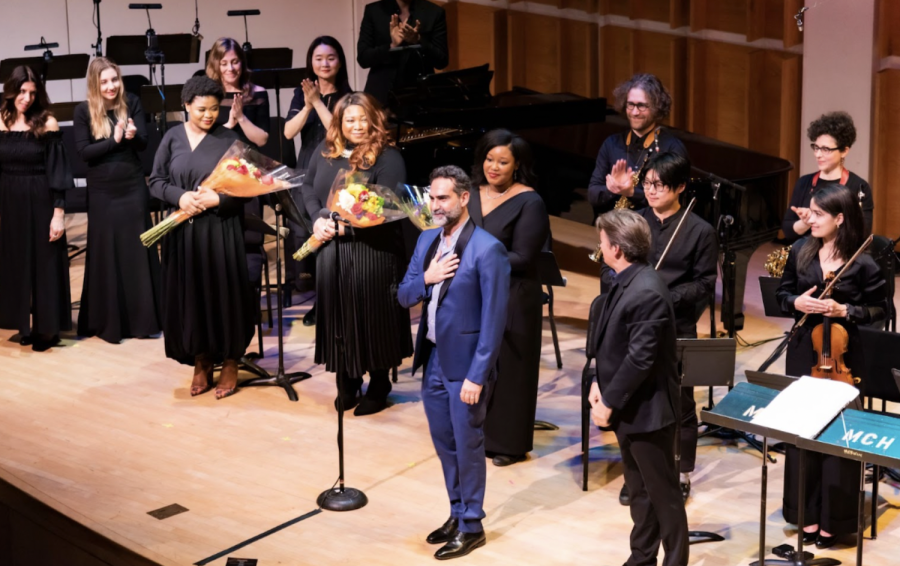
689	433
656	505
832	491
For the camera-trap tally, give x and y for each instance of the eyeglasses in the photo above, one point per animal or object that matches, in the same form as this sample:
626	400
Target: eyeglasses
654	187
639	106
825	150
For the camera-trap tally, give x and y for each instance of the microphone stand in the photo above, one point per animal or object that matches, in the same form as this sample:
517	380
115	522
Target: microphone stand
340	498
99	45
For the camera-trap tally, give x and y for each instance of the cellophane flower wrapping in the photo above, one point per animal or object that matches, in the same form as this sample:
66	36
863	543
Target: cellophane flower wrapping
416	203
242	172
359	204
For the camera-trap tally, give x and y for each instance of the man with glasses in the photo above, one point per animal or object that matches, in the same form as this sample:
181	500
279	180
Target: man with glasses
689	271
645	103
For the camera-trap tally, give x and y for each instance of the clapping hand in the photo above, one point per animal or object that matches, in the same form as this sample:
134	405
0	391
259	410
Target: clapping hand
311	93
130	130
119	131
237	111
619	179
410	33
396	31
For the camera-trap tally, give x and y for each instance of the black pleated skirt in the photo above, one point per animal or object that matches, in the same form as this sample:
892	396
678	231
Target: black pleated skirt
375	329
207	299
509	425
120	297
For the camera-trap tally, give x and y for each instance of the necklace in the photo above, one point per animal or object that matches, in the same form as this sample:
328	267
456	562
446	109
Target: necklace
499	195
346	153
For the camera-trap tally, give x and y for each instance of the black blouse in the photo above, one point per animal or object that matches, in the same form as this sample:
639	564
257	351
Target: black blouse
313	131
804	191
256	109
521	223
96	151
862	288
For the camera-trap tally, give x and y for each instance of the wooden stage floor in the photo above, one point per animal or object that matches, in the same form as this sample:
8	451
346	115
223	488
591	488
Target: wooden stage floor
105	433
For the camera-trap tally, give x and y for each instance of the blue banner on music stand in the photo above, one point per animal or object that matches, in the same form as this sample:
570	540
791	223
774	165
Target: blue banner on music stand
744	401
869	433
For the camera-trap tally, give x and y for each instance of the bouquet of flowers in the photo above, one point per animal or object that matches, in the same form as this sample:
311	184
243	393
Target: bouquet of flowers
416	203
241	172
359	204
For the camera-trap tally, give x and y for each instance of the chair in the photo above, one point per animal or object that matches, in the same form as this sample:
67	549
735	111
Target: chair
882	249
551	276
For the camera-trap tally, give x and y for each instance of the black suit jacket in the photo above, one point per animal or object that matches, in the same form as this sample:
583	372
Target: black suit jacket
389	71
637	364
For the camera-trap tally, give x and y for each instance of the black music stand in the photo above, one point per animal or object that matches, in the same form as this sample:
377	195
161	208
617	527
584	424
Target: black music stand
56	68
771	306
880	349
702	363
283	205
278	79
161	100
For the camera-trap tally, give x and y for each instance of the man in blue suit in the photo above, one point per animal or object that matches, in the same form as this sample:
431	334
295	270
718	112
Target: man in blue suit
461	275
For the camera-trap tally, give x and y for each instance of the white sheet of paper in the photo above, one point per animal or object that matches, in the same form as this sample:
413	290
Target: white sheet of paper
806	406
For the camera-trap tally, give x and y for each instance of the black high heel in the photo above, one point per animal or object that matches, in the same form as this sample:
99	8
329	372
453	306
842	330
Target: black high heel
351	391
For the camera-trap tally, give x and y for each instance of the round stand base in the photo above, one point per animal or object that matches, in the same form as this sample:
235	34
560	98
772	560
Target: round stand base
346	500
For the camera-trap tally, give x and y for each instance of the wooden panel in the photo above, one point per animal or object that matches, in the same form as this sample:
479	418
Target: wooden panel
679	13
775	20
478	36
664	56
756	19
616	58
791	35
719	90
534	51
730	16
579	49
655	10
885	165
888	28
590	6
619	7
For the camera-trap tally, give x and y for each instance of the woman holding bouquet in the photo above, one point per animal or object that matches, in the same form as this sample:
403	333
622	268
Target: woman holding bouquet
120	296
376	328
208	314
309	117
34	173
508	207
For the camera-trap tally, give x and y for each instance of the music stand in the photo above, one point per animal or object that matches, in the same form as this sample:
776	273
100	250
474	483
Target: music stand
57	68
767	288
880	349
283	205
278	79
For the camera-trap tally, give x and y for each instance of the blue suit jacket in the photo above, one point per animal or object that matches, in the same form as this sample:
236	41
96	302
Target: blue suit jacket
471	313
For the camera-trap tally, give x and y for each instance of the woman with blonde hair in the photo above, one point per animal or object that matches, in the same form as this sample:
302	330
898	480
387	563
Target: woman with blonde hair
34	175
121	292
375	327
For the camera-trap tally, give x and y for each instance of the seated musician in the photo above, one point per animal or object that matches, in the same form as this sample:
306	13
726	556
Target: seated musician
387	25
831	135
689	271
645	102
836	232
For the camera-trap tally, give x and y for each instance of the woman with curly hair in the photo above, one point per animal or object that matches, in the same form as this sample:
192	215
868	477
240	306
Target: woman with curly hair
375	328
34	173
831	135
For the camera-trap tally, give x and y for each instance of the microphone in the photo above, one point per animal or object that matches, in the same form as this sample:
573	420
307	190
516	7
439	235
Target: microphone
799	17
333	216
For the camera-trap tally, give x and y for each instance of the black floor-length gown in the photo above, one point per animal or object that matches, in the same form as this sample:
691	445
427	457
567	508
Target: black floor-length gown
373	262
523	226
832	483
34	272
207	300
120	297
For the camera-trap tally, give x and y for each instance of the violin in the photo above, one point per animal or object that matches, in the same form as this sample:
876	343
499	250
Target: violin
830	342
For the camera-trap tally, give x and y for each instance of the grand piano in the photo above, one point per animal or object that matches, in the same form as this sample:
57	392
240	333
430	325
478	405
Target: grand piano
742	193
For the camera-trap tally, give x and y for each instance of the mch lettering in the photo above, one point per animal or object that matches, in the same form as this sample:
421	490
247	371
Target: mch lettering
868	439
752	411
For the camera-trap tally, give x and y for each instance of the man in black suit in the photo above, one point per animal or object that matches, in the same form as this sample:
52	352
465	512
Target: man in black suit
636	392
387	27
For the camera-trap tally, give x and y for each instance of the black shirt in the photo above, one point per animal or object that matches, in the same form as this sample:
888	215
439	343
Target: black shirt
613	149
393	70
804	191
313	131
689	270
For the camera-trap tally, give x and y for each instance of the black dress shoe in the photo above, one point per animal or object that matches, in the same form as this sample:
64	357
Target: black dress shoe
685	491
825	542
309	319
460	544
625	496
43	343
25	341
444	533
809	538
501	460
370	406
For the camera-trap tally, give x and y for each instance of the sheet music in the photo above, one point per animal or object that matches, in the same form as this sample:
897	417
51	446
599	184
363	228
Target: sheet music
806	406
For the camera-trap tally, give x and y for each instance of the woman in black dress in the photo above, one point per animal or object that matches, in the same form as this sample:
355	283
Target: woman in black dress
34	173
508	207
245	108
831	136
376	328
310	117
208	313
836	232
120	296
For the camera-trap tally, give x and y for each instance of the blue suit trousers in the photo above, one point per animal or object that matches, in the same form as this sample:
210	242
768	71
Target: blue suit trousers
457	430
